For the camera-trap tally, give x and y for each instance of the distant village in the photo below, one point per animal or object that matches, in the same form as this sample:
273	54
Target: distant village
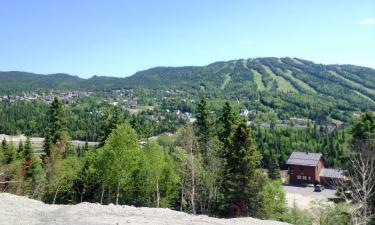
66	97
128	100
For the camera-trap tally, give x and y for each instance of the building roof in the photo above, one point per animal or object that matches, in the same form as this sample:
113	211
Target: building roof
331	173
304	158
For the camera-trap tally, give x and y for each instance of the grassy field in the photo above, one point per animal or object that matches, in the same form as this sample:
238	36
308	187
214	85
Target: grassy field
354	84
282	84
225	81
258	80
300	82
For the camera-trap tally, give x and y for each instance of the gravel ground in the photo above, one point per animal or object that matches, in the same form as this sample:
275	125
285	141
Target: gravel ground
304	196
36	141
21	210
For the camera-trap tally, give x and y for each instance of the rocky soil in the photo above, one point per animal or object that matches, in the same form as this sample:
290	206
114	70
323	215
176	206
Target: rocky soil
21	210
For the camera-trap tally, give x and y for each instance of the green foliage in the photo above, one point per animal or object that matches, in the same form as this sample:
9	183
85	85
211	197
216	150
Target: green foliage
365	128
331	214
8	153
121	154
20	150
27	149
273	201
56	135
61	177
241	182
280	142
228	122
292	87
212	167
297	216
203	126
274	169
161	179
56	120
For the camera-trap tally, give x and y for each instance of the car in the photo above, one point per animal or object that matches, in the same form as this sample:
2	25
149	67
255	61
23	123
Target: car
319	188
310	185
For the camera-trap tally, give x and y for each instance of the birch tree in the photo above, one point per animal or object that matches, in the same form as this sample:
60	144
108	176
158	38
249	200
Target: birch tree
359	187
186	140
121	153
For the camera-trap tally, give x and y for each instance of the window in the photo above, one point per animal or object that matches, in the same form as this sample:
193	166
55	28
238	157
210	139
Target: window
309	178
304	178
298	177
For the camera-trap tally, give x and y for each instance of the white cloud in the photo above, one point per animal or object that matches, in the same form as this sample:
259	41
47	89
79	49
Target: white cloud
367	21
247	42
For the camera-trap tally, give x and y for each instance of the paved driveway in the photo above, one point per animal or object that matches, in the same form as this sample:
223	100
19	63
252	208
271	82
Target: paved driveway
303	196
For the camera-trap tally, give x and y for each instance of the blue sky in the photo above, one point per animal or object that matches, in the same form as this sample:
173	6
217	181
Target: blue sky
120	37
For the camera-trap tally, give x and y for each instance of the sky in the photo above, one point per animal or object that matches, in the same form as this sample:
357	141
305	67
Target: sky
121	37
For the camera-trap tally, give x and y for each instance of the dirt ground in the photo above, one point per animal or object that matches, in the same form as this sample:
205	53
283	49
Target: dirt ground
304	196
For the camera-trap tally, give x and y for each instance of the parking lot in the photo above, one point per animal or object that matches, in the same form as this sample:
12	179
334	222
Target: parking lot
303	196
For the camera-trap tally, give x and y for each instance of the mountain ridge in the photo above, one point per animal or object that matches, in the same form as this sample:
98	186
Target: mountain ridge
272	82
209	64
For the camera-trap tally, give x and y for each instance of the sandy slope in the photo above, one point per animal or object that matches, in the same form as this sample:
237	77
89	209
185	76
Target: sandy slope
21	210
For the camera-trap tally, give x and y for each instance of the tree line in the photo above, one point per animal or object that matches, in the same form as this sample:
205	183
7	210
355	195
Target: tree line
212	167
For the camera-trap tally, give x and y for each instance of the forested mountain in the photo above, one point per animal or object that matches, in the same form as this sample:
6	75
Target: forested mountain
14	82
277	83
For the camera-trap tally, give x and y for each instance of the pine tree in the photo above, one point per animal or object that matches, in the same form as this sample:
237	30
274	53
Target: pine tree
28	151
203	126
228	123
20	150
9	153
273	167
110	122
365	128
57	120
86	147
47	144
56	130
241	171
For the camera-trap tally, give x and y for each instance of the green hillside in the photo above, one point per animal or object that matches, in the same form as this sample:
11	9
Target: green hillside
285	85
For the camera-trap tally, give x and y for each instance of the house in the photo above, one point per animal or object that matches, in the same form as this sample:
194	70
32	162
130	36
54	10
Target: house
305	167
308	167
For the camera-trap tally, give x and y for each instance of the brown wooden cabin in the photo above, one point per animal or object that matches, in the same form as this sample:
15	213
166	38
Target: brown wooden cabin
305	167
308	167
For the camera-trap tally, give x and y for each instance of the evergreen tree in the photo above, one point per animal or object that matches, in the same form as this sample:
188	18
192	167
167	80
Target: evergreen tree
57	120
47	144
365	128
241	174
228	122
273	167
56	131
9	153
111	121
203	127
33	169
20	150
28	151
86	148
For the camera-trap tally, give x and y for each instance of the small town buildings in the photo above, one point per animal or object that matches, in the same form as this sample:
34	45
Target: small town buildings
307	167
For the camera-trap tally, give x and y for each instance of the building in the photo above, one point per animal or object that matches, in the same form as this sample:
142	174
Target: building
330	177
307	167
